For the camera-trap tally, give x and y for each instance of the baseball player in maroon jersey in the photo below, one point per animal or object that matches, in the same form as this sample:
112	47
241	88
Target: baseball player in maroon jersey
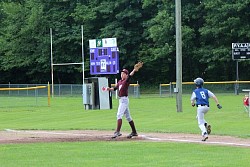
123	109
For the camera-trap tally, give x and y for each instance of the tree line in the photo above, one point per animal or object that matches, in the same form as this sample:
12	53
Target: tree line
145	31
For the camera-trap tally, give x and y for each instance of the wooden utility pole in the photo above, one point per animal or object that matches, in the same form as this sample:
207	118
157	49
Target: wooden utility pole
178	56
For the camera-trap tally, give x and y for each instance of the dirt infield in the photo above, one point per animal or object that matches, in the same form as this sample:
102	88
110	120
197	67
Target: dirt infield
10	136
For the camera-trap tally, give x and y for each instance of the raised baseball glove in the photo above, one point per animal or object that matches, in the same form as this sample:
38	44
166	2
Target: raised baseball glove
138	65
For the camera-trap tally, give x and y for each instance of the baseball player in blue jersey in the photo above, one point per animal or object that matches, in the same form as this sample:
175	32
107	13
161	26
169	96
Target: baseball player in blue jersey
201	96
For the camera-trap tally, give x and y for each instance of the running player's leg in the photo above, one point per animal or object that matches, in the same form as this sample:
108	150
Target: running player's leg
207	126
201	120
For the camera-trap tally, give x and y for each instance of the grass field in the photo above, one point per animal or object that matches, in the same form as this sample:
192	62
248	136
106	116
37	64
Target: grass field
150	115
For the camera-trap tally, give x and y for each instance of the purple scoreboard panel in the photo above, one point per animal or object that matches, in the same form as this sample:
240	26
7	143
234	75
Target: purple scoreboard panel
104	56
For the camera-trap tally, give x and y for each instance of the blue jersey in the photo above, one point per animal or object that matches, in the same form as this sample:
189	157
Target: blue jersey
201	96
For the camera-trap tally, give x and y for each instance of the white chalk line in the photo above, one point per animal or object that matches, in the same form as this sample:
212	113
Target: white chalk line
143	136
47	132
195	141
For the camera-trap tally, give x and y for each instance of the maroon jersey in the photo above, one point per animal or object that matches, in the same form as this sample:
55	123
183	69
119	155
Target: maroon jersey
122	87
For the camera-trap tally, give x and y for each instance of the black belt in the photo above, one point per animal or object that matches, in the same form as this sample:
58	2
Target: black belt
123	96
202	105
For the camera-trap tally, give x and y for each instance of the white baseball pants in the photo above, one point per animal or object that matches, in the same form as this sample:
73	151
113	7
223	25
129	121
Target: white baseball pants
123	109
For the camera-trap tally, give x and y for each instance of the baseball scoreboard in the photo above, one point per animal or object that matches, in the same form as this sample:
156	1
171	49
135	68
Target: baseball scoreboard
240	51
104	56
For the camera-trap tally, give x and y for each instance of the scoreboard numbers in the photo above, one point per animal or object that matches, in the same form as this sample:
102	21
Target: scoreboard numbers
104	56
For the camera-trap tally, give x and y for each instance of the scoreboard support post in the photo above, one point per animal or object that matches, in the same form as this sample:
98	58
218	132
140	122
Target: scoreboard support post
237	78
104	60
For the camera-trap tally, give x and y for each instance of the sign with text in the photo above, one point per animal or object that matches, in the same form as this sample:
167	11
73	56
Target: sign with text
104	56
240	51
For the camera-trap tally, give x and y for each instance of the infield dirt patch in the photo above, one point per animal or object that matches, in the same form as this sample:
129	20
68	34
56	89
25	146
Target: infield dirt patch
33	136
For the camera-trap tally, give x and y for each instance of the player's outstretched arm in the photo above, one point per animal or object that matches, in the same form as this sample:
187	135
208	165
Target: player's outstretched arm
137	66
132	72
193	103
110	89
217	102
107	89
193	96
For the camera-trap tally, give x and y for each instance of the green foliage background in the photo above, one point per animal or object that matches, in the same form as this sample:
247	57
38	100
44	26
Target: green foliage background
145	30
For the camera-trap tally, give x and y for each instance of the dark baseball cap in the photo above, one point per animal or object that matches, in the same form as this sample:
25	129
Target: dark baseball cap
125	71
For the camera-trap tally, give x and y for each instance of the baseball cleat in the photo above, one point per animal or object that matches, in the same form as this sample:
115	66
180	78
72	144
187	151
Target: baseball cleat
132	134
204	138
209	129
116	134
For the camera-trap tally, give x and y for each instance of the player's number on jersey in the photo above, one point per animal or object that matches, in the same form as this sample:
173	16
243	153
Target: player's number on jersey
203	95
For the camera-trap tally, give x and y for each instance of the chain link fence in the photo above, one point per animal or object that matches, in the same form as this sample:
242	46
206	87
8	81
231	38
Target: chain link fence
165	90
231	87
60	90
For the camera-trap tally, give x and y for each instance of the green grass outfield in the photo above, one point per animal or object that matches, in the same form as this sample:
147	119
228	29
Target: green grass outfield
150	115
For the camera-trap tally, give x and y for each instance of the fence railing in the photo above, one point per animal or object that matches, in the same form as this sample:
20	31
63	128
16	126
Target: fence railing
219	87
59	90
22	95
165	90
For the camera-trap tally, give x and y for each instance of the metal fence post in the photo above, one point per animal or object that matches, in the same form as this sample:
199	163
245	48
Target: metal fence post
160	89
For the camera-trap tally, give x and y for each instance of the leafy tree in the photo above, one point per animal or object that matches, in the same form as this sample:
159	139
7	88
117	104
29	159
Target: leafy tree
160	35
145	30
14	53
119	19
226	22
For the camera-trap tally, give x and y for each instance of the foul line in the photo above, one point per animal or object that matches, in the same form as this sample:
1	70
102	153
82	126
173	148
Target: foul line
46	132
194	141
